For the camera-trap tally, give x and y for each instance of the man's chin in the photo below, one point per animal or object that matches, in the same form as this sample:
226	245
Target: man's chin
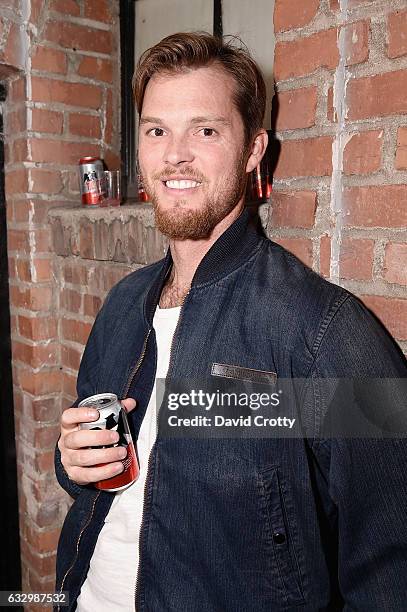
184	224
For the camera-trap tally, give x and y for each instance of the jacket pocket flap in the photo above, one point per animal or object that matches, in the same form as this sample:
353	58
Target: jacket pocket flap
248	374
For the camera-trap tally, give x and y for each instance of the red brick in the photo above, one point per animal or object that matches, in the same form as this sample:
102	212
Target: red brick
16	122
37	328
300	247
47	121
391	311
69	385
16	90
45	181
376	206
75	273
13	54
40	383
395	263
16	181
357	42
293	209
397	34
76	37
356	259
61	152
23	269
295	108
325	256
108	136
46	409
70	358
32	298
12	268
17	240
44	564
20	150
67	7
363	153
49	60
36	8
43	269
36	355
98	10
96	68
87	126
75	94
46	437
91	305
401	151
42	540
289	15
377	96
306	54
307	157
71	300
76	331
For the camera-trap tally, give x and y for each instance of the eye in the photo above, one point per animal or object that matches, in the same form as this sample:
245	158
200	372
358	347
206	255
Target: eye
156	132
208	131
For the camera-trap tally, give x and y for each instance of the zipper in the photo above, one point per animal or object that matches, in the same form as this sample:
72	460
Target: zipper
77	544
138	364
128	385
148	477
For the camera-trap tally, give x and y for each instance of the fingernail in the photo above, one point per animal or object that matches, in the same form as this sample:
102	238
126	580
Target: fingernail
92	413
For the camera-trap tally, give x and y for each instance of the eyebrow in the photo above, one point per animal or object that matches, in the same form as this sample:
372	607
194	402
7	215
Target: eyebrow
194	120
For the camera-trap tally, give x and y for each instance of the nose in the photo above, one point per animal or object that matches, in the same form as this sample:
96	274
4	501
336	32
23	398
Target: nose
178	150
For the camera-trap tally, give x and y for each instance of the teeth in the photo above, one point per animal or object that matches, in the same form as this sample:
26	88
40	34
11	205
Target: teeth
181	184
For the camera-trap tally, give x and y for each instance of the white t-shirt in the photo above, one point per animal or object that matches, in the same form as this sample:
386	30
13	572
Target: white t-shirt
111	580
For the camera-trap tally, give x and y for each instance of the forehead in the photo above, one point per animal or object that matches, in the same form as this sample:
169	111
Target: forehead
191	92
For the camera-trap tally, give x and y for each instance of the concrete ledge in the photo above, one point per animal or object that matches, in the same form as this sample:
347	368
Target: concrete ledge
124	234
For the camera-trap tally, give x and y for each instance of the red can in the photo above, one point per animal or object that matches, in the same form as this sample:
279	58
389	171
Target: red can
114	417
92	181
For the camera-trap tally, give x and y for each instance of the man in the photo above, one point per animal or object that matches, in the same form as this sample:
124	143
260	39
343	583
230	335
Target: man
232	523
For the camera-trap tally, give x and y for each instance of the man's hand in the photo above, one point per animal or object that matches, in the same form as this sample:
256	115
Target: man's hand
78	460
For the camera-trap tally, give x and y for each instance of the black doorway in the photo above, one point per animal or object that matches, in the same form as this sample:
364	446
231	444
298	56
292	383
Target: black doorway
10	571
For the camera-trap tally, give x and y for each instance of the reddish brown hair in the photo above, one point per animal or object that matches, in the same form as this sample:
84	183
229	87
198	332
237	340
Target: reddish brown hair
189	50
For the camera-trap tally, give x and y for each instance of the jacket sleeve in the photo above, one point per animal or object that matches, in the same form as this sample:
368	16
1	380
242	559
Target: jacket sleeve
366	476
86	386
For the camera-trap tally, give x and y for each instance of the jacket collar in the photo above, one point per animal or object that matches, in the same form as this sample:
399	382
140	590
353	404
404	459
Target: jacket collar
229	252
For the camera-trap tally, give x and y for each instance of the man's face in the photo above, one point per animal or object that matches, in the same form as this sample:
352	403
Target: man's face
191	151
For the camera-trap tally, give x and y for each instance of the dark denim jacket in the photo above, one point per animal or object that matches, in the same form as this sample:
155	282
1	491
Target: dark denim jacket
250	524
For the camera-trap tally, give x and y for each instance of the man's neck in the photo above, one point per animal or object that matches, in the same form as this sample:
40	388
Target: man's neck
186	256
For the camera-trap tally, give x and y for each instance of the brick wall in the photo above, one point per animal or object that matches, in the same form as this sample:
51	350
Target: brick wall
340	194
59	59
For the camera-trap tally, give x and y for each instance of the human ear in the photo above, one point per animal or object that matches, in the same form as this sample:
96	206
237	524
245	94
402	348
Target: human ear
258	149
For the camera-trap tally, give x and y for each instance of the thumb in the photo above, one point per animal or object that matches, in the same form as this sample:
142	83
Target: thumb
129	404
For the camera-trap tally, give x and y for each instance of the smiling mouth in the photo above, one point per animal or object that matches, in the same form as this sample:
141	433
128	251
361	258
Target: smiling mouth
183	184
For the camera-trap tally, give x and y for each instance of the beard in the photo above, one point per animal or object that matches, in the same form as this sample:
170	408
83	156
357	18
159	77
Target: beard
183	223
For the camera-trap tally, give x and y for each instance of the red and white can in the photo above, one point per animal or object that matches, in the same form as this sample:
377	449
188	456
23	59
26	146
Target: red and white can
92	181
113	417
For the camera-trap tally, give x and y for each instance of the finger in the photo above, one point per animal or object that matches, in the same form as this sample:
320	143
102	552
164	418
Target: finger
86	475
72	416
129	404
83	438
94	457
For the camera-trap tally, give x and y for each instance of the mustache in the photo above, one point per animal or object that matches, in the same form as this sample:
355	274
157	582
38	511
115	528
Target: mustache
167	173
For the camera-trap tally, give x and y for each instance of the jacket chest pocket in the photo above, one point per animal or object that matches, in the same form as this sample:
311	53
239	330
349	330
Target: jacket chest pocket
279	535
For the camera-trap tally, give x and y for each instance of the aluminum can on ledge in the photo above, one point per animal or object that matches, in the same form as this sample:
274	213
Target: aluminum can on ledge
113	416
92	181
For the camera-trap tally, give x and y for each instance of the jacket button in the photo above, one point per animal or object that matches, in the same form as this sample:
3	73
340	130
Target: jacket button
278	537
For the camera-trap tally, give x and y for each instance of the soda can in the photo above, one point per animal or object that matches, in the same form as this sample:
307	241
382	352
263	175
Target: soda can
113	416
92	181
